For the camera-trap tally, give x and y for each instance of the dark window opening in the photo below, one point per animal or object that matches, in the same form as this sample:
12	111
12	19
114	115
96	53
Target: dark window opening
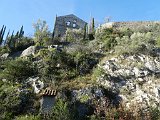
74	25
68	23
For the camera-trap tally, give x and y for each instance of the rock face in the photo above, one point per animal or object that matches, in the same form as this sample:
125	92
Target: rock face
29	51
136	78
36	84
88	96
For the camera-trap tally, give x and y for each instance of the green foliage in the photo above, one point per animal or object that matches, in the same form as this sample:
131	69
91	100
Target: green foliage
9	101
106	38
85	31
3	50
14	101
137	43
158	42
126	32
42	34
155	113
17	42
84	98
97	72
61	111
58	66
74	35
91	29
17	70
30	117
94	117
23	43
2	32
93	26
55	65
84	61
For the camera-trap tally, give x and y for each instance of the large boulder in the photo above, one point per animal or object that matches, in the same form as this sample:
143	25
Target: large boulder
29	51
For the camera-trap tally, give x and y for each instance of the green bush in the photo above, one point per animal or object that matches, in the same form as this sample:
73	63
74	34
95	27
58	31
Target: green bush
55	65
61	111
28	117
23	43
126	32
136	43
9	101
42	35
158	42
3	50
17	70
84	61
155	113
106	38
97	72
74	35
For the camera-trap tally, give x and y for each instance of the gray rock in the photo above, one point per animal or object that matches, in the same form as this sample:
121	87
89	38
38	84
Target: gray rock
29	51
135	78
150	65
36	84
5	55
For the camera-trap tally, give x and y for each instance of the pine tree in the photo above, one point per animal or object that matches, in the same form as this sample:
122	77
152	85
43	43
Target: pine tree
91	30
85	31
2	32
93	25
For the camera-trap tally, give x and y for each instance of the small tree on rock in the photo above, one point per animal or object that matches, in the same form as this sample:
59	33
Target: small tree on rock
42	33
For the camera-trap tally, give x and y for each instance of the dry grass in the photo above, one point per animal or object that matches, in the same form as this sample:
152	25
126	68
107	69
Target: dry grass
77	83
122	113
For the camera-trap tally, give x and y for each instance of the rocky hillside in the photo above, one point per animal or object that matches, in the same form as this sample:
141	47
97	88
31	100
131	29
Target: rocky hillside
135	78
114	76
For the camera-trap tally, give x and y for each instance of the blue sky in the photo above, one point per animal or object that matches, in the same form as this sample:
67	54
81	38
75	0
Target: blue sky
15	13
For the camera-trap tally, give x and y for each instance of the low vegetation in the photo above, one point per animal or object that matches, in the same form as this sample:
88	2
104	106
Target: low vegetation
68	69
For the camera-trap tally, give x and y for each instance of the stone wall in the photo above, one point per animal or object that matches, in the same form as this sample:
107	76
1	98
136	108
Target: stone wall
135	24
132	25
68	21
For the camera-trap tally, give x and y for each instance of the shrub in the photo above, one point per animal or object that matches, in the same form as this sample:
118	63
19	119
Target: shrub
84	62
3	50
97	72
137	43
9	101
42	34
17	70
28	117
23	43
155	113
61	111
74	35
126	32
106	38
158	42
55	65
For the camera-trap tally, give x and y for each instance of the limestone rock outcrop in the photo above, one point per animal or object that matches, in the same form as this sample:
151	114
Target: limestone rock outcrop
29	51
135	78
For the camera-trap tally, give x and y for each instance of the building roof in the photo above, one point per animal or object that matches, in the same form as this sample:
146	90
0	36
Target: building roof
71	15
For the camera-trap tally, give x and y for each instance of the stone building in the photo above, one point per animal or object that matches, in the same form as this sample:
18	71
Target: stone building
68	21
